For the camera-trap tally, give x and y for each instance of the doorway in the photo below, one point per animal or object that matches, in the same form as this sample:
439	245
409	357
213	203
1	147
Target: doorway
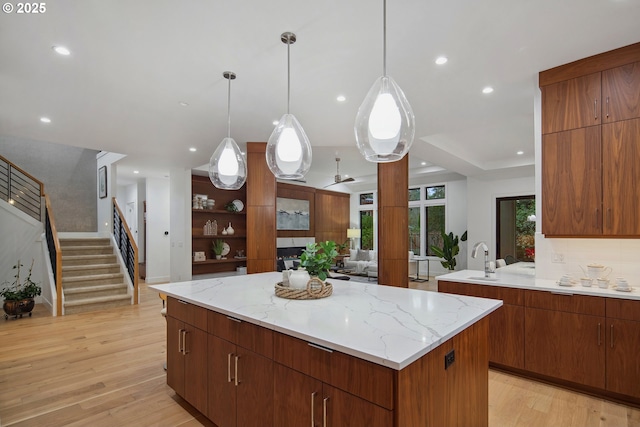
516	228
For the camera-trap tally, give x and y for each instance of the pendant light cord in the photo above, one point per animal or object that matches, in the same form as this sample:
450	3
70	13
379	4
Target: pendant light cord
288	72
229	110
384	38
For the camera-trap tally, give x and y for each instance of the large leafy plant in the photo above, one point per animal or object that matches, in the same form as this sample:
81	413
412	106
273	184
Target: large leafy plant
450	248
317	258
17	291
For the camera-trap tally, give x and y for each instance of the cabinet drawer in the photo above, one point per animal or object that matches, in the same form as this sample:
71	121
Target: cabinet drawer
362	378
623	309
245	334
508	295
187	312
583	304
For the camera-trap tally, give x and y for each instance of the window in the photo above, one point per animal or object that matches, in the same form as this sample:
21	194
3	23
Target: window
436	192
414	194
366	229
515	229
435	219
414	230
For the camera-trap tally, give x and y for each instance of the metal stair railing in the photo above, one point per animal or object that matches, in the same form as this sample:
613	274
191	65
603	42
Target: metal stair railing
127	246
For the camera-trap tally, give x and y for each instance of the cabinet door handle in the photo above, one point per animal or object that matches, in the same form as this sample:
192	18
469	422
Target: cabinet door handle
184	342
229	379
599	335
609	218
607	107
612	335
313	395
319	347
595	109
235	380
234	319
180	341
324	412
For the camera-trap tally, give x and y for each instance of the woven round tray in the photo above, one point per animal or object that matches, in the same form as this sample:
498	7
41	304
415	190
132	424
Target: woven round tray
316	288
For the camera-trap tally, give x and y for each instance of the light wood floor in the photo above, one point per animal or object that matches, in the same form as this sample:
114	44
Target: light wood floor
106	369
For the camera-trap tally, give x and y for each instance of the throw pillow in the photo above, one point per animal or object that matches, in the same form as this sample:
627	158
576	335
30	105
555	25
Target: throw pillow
362	255
353	253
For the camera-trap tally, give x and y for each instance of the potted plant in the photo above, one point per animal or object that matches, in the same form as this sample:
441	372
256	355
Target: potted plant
19	296
218	247
317	258
343	248
449	249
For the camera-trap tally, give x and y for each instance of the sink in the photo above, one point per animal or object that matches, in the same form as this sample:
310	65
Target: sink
491	279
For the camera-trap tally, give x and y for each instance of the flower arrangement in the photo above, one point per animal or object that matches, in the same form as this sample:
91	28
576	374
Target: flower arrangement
17	291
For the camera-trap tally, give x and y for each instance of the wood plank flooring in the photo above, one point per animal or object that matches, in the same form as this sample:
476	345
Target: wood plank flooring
106	369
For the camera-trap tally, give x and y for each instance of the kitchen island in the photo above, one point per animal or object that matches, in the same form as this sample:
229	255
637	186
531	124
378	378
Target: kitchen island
584	338
367	355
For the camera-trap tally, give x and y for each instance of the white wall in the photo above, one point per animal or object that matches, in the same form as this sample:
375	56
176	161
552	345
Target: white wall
105	226
180	237
481	213
158	222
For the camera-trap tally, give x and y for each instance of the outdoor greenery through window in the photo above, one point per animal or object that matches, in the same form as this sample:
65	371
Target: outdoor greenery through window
516	228
414	230
436	192
435	218
366	229
414	194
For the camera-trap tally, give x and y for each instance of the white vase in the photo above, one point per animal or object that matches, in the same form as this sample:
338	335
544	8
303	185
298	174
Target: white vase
224	232
230	229
298	278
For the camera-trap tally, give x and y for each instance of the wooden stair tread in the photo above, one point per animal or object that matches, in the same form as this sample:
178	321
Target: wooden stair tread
89	266
89	277
84	289
97	300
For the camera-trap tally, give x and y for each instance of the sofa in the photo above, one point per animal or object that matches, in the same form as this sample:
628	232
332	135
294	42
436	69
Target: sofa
360	260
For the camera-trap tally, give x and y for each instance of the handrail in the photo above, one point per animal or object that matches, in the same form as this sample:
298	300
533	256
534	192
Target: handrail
127	246
21	189
55	253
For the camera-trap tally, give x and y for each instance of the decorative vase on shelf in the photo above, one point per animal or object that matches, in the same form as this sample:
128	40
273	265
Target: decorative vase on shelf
214	228
224	232
230	229
218	256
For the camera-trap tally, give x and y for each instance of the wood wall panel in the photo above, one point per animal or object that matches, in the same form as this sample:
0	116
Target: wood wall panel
261	211
332	215
592	64
393	222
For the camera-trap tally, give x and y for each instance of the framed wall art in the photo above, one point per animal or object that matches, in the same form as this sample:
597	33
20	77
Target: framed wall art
102	182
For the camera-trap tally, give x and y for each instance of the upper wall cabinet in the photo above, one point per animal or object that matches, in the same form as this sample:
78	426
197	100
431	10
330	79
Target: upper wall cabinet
571	104
621	93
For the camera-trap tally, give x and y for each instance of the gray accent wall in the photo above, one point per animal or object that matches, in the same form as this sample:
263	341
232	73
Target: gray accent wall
69	175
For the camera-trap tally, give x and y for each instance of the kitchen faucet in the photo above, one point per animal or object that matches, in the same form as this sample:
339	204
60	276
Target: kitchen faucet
485	248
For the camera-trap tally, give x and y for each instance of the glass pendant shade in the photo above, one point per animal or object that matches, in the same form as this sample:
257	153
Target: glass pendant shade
288	149
227	167
385	124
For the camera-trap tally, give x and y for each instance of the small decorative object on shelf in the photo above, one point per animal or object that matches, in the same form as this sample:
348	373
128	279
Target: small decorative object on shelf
210	203
224	231
230	230
218	248
231	207
214	228
199	256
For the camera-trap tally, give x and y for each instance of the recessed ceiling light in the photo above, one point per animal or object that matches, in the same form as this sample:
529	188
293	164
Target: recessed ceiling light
136	172
45	119
441	60
275	122
487	89
192	149
341	98
424	163
184	104
520	153
62	50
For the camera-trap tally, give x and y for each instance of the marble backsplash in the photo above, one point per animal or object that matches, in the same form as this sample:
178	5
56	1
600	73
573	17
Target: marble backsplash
622	255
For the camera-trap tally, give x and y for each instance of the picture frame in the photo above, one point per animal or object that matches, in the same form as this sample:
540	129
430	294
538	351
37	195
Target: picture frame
102	182
292	214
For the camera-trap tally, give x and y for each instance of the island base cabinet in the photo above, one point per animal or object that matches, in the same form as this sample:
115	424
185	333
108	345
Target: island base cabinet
623	345
301	400
240	386
567	346
187	362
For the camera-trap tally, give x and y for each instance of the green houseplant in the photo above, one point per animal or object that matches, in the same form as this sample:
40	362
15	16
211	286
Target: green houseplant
317	258
19	296
218	247
450	248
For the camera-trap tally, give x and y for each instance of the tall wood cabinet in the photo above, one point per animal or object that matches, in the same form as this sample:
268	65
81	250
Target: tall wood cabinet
590	146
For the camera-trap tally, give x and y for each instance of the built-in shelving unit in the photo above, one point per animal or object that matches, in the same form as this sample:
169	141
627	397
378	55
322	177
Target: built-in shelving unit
203	243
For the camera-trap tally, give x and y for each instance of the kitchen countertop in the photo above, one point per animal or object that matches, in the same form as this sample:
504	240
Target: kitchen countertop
386	325
522	275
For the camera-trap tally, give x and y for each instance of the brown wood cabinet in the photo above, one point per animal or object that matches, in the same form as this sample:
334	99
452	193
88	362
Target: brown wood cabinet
590	146
240	377
623	343
199	217
187	352
506	324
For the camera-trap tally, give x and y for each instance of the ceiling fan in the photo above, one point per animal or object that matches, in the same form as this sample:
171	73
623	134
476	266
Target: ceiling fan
337	178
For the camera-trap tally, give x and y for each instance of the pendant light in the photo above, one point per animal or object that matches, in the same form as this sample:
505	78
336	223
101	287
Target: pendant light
288	149
227	166
385	124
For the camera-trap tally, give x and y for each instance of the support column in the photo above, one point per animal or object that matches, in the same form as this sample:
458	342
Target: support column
393	223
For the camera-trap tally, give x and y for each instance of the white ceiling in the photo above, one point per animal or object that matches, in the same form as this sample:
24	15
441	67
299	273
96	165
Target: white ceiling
134	61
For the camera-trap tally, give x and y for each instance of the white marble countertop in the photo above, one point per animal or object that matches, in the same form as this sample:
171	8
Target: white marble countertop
522	275
386	325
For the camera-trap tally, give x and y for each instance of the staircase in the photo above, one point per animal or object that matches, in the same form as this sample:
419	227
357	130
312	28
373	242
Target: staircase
91	276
